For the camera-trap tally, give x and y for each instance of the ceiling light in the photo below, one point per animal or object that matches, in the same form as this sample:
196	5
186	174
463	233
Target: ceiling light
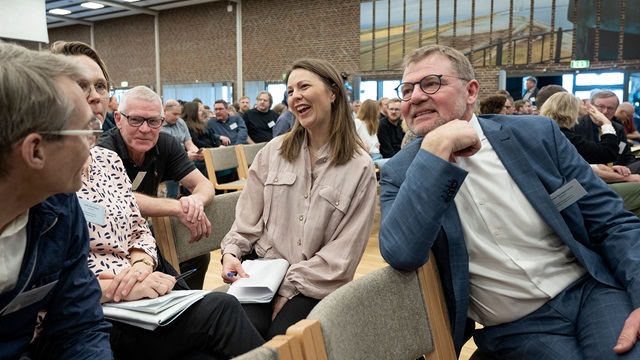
131	0
59	12
229	7
92	5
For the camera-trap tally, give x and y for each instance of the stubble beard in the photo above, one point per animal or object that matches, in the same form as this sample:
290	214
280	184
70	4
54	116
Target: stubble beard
423	130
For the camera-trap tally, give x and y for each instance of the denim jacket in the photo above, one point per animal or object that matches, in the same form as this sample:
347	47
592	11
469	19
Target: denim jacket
55	277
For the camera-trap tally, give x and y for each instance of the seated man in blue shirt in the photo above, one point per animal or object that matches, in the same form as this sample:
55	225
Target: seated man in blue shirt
528	240
44	244
230	130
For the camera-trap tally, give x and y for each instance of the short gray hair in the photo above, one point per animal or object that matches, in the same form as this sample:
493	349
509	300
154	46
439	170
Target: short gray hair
604	94
140	93
30	97
459	63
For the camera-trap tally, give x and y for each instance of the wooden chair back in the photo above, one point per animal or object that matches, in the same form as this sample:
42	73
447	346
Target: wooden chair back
245	154
223	158
281	347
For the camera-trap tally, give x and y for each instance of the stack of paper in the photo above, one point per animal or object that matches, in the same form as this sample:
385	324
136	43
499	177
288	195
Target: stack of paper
151	313
263	283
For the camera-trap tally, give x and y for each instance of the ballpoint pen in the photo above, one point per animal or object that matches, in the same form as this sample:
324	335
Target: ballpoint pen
184	274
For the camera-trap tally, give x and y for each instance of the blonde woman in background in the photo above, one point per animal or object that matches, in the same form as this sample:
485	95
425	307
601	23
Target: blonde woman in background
367	127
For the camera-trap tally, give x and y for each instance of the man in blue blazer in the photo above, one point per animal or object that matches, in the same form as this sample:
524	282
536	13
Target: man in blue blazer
528	241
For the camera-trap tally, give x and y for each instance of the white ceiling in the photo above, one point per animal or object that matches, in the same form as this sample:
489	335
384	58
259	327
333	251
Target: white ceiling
112	9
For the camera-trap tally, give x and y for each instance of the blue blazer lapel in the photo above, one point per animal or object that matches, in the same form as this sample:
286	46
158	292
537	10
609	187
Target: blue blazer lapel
515	160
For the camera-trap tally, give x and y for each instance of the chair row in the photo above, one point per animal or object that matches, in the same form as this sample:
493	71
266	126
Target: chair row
238	158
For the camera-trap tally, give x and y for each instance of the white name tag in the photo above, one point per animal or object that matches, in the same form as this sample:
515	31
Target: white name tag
568	194
94	213
621	147
233	126
27	298
271	124
138	180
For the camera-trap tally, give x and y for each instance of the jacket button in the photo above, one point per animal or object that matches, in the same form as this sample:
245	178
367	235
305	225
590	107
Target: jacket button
275	180
301	217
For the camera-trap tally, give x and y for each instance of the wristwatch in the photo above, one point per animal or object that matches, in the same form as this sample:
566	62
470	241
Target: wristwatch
145	261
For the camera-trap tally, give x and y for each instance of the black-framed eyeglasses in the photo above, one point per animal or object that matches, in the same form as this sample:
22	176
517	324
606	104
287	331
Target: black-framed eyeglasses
429	84
137	121
101	87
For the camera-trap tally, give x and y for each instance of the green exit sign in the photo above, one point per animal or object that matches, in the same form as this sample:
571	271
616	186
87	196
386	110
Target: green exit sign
579	64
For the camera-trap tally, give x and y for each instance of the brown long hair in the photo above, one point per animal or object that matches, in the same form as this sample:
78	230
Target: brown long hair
368	113
190	116
343	139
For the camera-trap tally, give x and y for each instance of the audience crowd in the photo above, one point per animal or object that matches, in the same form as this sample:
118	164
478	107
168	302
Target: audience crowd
309	199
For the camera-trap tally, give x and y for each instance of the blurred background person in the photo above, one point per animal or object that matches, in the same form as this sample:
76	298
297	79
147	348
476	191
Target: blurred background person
494	105
367	127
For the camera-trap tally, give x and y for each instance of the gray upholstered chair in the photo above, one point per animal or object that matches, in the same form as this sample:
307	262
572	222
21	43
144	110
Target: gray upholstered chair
245	154
261	353
387	314
223	158
173	238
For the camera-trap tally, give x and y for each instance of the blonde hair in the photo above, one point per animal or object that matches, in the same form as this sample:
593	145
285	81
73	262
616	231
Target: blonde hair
368	113
563	108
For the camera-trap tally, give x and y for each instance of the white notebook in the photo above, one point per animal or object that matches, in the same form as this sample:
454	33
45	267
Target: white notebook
151	313
266	276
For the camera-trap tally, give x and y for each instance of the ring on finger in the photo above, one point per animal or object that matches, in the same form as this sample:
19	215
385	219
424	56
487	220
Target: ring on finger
158	286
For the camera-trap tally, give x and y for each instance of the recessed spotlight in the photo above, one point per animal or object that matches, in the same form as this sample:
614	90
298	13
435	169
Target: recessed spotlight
131	0
92	5
59	12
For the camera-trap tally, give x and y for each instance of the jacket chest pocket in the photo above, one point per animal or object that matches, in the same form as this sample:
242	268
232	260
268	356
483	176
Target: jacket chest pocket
337	205
277	190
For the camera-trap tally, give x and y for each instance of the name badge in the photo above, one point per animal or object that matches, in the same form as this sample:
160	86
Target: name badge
568	194
138	180
94	213
27	298
233	126
621	147
271	124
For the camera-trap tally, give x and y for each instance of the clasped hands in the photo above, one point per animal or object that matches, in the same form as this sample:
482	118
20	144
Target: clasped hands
194	218
137	282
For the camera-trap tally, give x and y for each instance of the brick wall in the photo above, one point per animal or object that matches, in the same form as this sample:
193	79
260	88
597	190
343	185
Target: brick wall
198	43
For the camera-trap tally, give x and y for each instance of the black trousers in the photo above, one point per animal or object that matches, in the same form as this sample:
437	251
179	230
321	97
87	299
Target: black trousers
293	311
213	328
201	264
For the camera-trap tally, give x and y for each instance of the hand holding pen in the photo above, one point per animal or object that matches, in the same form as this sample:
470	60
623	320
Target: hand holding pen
232	268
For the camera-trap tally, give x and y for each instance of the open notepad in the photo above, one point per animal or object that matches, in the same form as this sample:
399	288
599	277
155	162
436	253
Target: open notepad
266	276
151	313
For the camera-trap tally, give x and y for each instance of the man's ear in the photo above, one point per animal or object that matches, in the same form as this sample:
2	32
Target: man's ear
473	89
33	151
117	118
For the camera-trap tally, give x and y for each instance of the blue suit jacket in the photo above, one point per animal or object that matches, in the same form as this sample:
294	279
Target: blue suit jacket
419	214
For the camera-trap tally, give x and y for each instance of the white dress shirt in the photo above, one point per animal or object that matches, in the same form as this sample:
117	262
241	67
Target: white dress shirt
516	262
